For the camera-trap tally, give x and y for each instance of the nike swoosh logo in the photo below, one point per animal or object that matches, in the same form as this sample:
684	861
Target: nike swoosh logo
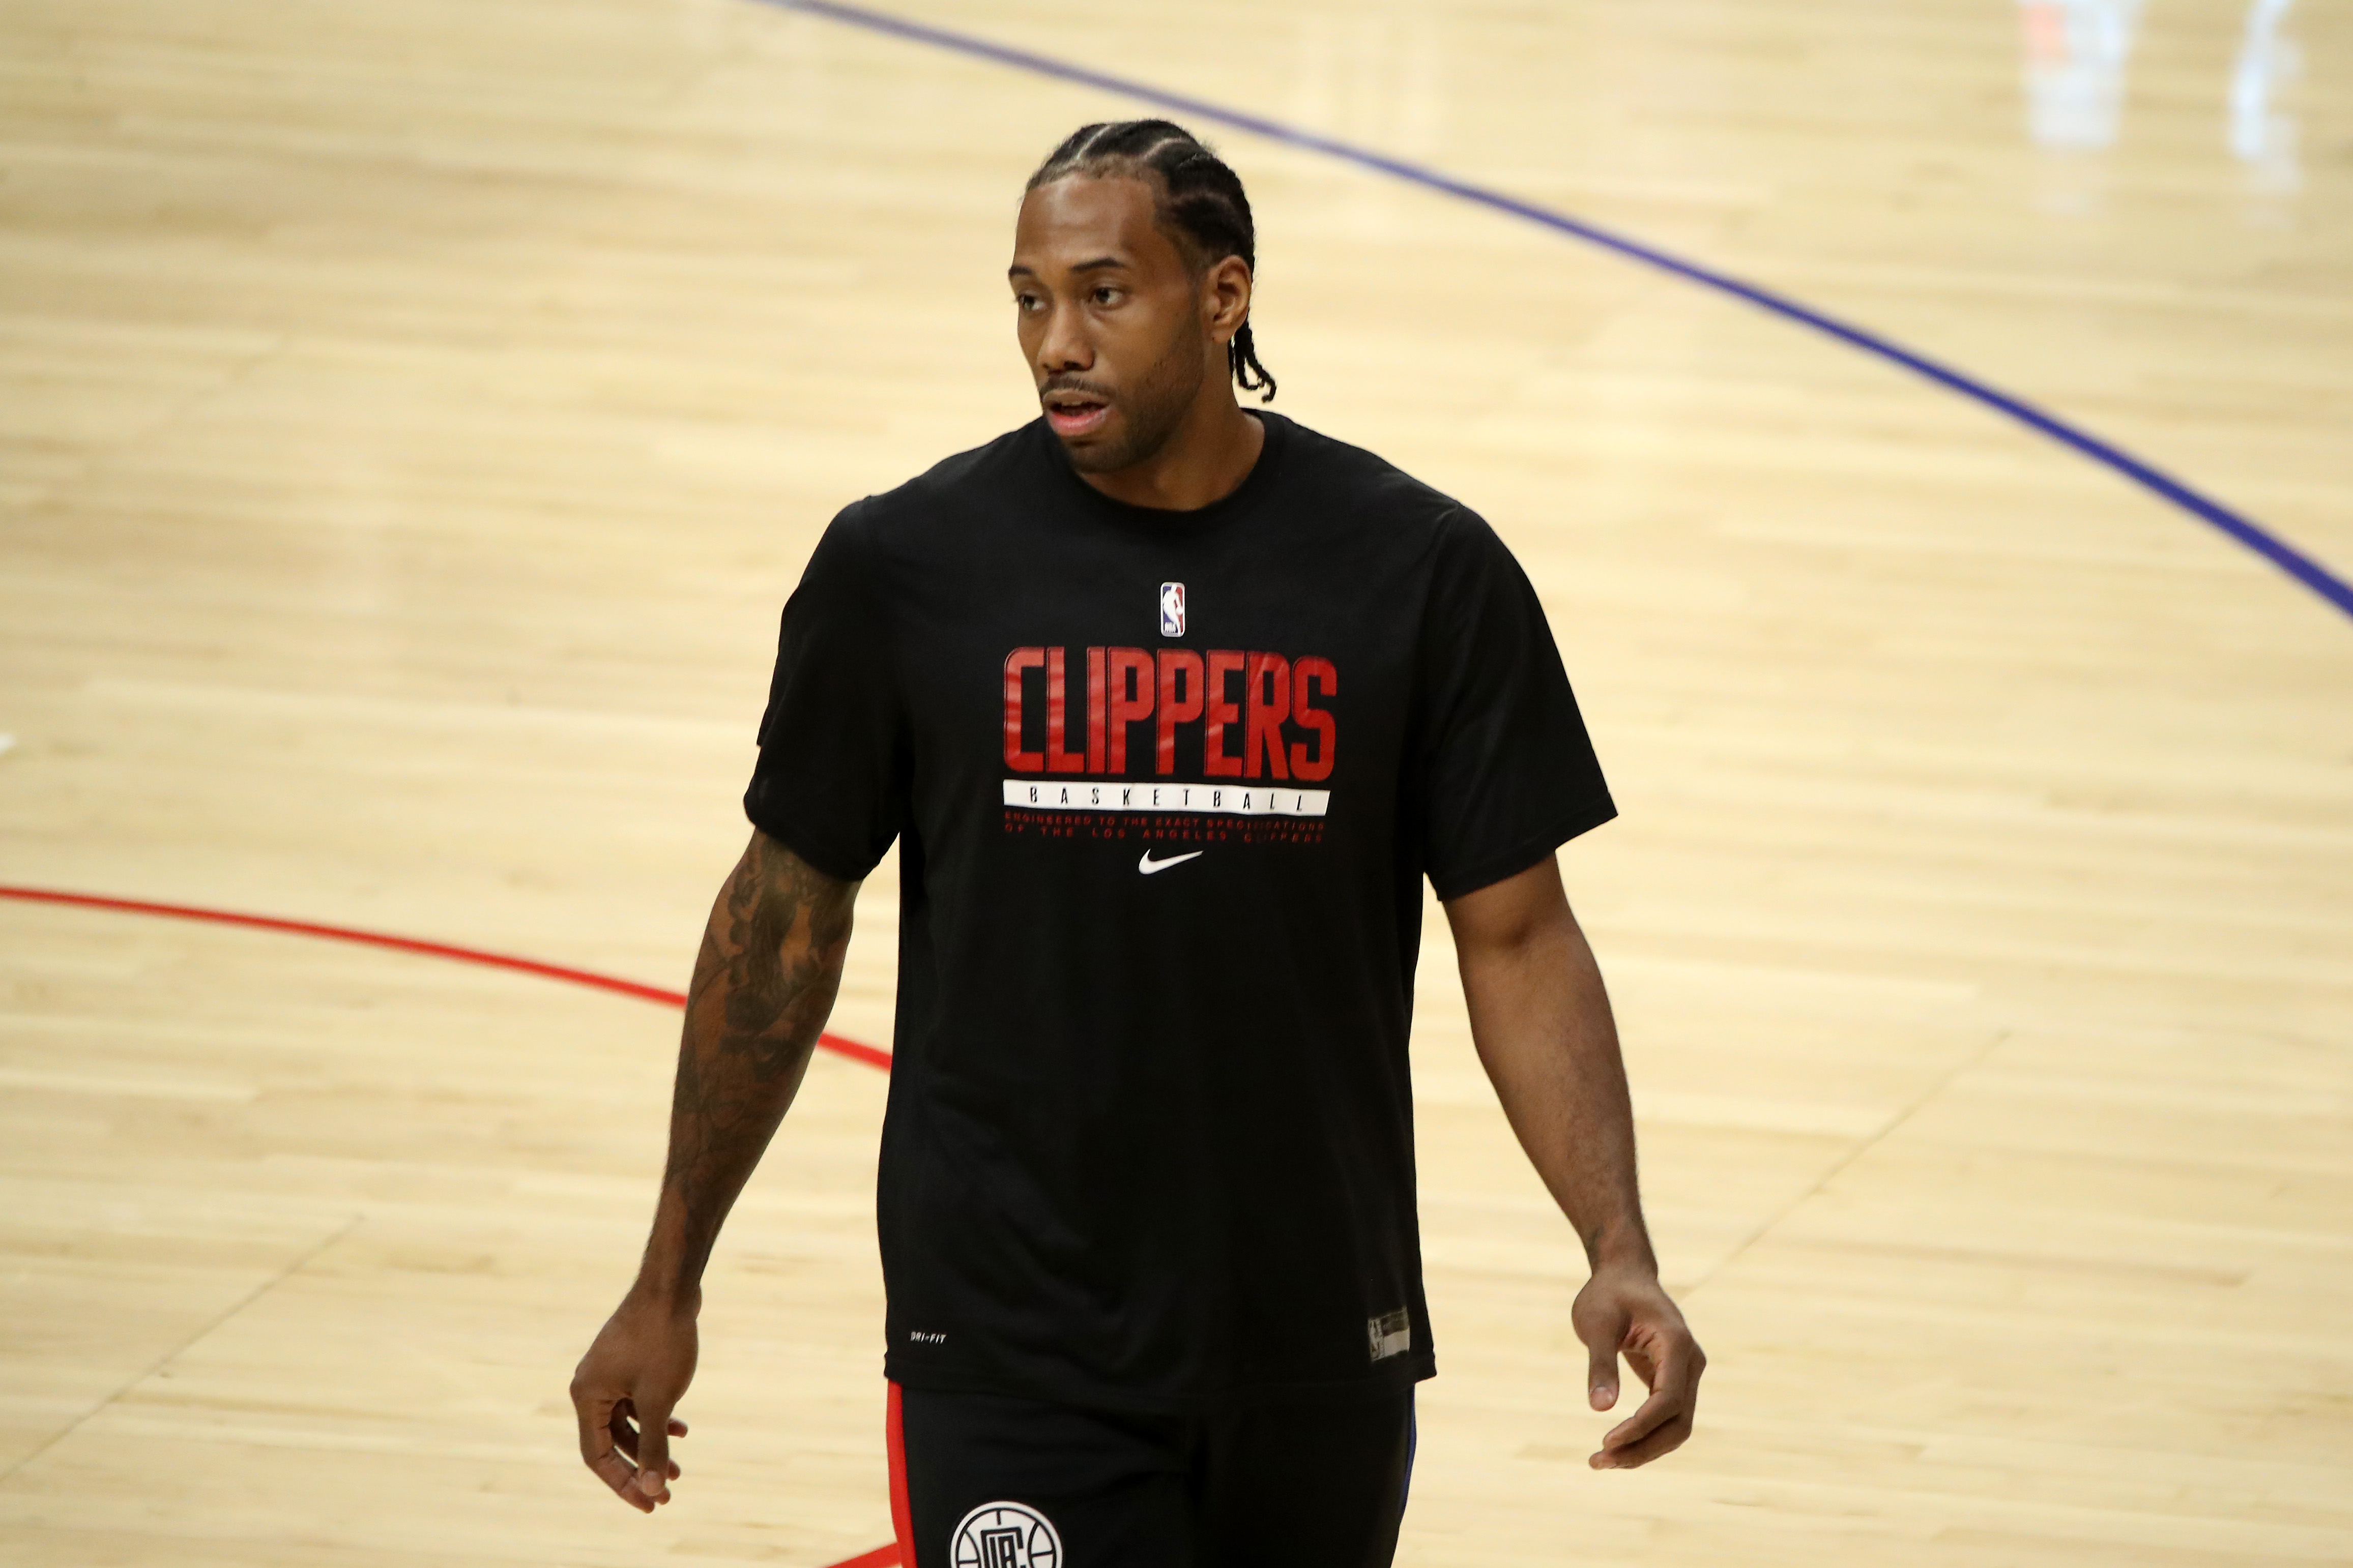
1149	864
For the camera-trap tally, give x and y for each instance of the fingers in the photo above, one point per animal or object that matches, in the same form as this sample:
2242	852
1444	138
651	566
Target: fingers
654	1468
601	1419
1602	1323
1662	1409
1664	1420
625	1437
1601	1372
1664	1439
610	1443
593	1411
622	1477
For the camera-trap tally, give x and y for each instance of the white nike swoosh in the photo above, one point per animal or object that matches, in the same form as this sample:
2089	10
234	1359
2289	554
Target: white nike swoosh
1149	864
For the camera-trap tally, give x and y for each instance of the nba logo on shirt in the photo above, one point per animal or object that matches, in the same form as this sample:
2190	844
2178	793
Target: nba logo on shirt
1172	609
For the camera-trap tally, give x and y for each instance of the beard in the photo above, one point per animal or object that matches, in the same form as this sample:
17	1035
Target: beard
1149	411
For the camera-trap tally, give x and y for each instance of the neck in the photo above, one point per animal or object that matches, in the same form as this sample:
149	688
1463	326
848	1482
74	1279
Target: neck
1204	461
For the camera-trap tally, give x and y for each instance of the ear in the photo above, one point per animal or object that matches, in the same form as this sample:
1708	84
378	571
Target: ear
1226	297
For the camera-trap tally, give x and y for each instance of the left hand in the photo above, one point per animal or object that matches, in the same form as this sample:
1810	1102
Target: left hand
1622	1311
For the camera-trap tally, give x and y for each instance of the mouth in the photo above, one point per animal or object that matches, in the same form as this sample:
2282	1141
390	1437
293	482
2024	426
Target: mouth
1074	414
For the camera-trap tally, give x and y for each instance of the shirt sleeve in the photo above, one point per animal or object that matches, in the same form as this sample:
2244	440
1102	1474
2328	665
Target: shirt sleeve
831	781
1507	772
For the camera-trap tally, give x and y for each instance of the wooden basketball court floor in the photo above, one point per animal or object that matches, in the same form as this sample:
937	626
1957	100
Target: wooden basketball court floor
414	415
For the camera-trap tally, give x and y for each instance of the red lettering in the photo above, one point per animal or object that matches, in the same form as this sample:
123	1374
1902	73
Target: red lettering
1267	703
1175	710
1019	659
1218	712
1128	665
1127	686
1305	677
1094	710
1059	759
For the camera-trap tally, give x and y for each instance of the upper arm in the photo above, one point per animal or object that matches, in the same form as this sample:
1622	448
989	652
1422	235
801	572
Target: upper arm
1506	916
776	901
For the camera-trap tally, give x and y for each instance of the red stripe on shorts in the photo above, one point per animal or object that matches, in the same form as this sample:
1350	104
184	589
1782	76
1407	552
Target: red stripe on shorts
902	1518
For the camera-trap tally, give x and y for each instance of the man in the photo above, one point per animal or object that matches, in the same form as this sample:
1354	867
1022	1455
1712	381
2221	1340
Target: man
1170	706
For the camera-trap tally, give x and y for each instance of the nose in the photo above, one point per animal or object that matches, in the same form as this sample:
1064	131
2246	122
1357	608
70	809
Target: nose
1064	345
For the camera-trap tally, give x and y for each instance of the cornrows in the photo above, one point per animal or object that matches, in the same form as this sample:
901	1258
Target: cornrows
1199	197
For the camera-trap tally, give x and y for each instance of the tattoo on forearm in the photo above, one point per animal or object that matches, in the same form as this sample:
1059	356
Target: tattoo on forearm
763	983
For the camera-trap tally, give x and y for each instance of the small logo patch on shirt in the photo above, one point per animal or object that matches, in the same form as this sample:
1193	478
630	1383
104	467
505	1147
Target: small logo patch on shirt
1149	864
1391	1333
1172	609
926	1337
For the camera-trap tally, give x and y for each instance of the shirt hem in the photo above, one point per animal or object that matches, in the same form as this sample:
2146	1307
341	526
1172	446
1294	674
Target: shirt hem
1529	851
840	870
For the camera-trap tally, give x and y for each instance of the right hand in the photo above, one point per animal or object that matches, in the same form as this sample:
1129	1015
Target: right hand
624	1390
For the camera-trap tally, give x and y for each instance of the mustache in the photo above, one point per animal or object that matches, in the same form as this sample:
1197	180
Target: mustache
1078	383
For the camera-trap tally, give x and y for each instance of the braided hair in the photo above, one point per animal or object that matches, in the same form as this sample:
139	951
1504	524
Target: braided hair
1200	199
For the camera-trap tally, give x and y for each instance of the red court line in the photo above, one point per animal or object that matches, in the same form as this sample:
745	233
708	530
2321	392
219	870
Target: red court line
853	1050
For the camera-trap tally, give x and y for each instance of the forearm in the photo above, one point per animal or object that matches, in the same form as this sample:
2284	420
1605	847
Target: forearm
764	981
1541	1020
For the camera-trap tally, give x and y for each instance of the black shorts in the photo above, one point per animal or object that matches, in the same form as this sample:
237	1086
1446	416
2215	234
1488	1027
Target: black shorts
987	1480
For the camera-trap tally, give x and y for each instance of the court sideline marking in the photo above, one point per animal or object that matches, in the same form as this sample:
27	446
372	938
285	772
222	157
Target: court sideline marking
855	1050
2237	526
881	1557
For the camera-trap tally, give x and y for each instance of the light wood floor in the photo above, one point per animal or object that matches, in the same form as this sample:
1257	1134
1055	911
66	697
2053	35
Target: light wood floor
412	415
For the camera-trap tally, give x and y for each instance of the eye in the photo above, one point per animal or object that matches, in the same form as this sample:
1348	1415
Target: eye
1106	294
1026	302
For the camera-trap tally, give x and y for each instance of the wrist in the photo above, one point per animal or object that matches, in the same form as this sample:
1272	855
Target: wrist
1621	1249
665	1296
666	1283
669	1271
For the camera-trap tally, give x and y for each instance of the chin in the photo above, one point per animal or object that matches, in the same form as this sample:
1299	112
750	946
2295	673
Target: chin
1095	455
1093	459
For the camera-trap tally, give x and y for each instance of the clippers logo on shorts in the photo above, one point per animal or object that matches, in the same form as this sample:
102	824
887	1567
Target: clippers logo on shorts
1005	1535
1172	609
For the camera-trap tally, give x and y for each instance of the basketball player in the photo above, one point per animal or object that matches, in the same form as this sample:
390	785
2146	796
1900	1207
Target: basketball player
1170	707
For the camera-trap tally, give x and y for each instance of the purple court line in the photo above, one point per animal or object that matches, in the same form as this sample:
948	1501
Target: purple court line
2244	530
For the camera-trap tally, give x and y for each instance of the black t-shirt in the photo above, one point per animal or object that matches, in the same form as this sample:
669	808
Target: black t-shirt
1166	786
